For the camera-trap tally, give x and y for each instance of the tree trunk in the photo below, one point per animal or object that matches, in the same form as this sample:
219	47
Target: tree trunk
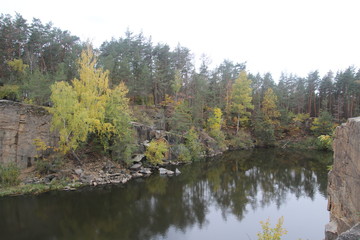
237	124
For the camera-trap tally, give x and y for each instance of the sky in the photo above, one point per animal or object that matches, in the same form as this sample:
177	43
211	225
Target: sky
290	36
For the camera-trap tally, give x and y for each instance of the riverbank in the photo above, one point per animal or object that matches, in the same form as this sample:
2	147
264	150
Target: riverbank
97	170
91	172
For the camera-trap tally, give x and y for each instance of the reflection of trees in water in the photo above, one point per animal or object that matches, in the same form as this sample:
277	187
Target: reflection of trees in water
234	183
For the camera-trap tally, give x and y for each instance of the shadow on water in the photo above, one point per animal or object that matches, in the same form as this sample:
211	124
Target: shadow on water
146	209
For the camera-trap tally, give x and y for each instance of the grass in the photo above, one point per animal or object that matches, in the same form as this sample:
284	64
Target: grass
36	188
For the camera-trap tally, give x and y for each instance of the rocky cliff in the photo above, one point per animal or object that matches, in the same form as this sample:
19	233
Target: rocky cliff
20	124
344	180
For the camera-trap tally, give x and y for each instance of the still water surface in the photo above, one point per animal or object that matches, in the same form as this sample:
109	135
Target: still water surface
221	198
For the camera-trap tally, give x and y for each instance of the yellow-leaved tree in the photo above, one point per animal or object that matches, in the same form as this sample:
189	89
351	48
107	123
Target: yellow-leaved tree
89	106
214	126
269	108
241	98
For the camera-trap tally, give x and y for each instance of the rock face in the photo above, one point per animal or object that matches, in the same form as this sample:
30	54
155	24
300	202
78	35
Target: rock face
344	180
20	124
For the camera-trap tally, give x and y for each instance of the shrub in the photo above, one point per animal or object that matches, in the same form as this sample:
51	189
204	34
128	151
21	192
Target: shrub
182	153
269	233
322	125
9	174
10	92
324	142
242	140
156	151
193	144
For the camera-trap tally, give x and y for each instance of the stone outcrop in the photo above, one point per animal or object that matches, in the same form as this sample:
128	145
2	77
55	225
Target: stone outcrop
352	234
20	124
344	180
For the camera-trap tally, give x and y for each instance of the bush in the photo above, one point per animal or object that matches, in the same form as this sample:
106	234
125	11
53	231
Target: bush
323	125
10	92
155	152
324	142
9	174
242	140
182	153
192	143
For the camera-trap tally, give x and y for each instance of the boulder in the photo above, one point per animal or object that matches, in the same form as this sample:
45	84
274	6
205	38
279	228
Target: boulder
136	166
137	158
78	171
164	171
344	178
146	171
352	234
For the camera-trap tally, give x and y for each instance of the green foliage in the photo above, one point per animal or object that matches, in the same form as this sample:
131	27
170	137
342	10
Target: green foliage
10	92
120	139
47	166
193	144
9	174
269	233
242	140
322	125
177	83
324	142
156	151
37	87
182	153
264	131
181	120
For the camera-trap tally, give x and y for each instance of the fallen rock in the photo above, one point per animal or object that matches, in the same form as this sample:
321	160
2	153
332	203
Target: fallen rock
164	171
352	234
137	158
331	231
137	175
177	171
86	179
108	166
136	166
145	170
78	171
146	143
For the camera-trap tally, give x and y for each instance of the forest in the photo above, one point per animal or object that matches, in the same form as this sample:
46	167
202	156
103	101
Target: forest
164	88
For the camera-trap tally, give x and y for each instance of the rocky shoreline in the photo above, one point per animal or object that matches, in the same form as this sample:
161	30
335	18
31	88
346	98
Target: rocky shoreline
98	173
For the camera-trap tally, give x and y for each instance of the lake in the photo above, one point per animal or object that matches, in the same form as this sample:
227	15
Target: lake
219	198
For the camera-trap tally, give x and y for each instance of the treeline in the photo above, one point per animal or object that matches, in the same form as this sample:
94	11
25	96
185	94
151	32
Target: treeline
34	55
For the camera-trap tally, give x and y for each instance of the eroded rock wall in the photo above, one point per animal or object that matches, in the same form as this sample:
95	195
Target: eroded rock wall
20	124
344	180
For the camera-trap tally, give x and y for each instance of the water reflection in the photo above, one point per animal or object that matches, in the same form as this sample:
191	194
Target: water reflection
147	209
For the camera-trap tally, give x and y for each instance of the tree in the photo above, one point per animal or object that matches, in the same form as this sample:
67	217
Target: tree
323	124
269	108
156	151
88	106
214	127
193	144
241	99
181	120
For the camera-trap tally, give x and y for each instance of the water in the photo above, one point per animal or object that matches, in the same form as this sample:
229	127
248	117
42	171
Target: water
223	198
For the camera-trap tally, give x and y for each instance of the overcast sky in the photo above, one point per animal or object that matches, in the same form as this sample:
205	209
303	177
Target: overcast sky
270	35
